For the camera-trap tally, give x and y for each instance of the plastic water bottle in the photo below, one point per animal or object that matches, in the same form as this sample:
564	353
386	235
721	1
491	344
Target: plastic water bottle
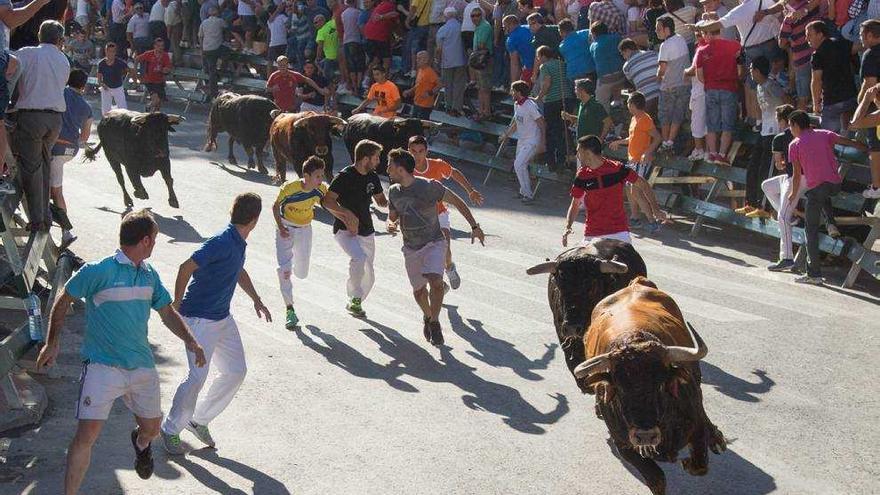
35	317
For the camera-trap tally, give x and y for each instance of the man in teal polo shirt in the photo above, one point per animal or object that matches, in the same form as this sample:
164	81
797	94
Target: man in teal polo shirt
119	292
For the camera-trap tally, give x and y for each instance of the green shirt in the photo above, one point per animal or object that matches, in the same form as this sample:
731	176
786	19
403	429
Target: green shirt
483	36
591	116
555	70
328	35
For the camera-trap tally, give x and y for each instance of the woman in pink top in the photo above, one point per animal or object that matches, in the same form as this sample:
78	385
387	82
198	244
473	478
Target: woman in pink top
812	156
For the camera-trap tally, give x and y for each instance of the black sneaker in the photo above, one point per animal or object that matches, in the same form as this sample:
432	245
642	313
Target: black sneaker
436	333
426	328
143	461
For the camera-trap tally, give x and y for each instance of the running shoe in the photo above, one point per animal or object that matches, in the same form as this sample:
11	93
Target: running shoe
652	227
528	201
436	333
697	155
355	309
201	432
783	265
635	223
833	231
67	238
292	319
172	444
871	193
143	461
452	275
807	279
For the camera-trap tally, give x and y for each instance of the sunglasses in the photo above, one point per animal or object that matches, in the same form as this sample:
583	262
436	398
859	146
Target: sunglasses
476	15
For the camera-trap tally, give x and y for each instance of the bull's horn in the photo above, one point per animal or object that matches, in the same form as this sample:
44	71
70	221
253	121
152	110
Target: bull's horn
175	119
678	354
336	120
545	267
428	124
274	113
597	364
612	266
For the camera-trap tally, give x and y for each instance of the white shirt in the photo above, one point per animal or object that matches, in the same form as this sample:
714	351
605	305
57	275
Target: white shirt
82	8
172	13
526	116
244	8
44	73
117	11
157	13
466	23
742	17
278	30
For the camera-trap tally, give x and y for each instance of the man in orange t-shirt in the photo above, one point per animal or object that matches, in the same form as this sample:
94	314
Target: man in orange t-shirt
384	93
441	170
427	86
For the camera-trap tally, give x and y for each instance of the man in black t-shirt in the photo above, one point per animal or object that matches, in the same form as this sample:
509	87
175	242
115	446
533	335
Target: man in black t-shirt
112	73
349	198
869	32
832	89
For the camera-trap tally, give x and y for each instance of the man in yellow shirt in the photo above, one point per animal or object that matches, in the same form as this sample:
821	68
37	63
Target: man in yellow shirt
293	211
384	93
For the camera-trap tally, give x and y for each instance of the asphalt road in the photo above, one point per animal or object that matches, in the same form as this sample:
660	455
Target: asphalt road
366	406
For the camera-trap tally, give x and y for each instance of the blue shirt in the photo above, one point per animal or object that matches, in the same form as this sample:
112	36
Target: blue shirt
220	260
72	122
520	41
575	50
605	54
118	299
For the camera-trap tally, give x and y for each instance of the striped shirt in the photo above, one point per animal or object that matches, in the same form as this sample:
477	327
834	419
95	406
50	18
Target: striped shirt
641	71
607	13
794	33
555	70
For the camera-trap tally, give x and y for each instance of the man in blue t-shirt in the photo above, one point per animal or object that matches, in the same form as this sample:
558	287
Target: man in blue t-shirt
519	46
214	269
76	124
575	51
119	292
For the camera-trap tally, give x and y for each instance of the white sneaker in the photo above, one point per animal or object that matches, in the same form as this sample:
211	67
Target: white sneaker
452	275
871	193
67	238
201	432
697	155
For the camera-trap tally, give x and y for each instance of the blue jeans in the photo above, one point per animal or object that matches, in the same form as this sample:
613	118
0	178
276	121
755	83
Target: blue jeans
721	110
500	65
298	51
831	114
416	40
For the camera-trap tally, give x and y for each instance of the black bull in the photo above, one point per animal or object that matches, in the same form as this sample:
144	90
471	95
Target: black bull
390	133
579	278
246	118
139	142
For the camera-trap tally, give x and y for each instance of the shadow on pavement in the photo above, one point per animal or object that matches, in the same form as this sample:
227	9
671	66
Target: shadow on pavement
242	172
734	386
176	227
262	482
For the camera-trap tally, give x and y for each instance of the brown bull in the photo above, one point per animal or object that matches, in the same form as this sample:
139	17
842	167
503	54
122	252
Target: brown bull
643	365
297	136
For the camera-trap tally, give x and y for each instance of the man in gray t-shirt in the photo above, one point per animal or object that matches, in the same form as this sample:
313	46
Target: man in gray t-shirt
412	203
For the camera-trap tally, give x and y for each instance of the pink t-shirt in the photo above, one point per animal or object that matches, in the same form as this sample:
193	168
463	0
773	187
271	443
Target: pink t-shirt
814	150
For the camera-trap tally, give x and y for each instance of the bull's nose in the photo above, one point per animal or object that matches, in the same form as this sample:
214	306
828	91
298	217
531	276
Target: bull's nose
322	150
644	438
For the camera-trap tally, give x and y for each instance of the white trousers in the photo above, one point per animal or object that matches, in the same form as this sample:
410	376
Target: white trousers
111	95
620	236
223	350
698	116
293	253
525	151
777	188
362	251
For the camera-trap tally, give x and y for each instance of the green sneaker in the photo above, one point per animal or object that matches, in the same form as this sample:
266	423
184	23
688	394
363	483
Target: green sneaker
172	444
292	319
354	307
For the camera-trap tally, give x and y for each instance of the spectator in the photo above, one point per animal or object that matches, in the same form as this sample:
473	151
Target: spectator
792	36
44	72
327	46
655	10
277	25
468	26
556	95
453	65
778	190
869	33
813	161
352	46
211	39
426	88
770	96
544	35
436	18
720	10
530	127
190	14
575	51
157	21
283	83
591	118
609	64
301	45
697	106
716	64
138	30
675	90
248	19
8	68
76	124
112	73
833	90
82	51
377	31
519	46
384	93
483	43
82	17
417	21
500	58
635	23
119	16
639	68
174	25
605	12
643	140
313	97
157	65
865	118
683	17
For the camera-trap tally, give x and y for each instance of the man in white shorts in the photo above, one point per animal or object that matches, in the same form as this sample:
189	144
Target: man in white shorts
413	203
118	362
697	106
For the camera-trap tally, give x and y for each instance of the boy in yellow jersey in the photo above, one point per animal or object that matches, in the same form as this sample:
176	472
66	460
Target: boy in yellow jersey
294	211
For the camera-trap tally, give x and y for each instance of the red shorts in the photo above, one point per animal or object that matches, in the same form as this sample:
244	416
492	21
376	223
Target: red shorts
526	76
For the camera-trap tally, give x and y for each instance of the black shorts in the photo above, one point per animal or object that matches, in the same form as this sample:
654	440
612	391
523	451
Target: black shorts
378	49
275	52
158	88
248	22
354	57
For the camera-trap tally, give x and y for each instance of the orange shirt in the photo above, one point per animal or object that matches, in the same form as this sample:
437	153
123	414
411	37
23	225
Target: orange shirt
426	81
386	95
639	136
437	170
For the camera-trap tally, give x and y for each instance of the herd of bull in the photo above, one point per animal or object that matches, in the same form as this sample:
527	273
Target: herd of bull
625	341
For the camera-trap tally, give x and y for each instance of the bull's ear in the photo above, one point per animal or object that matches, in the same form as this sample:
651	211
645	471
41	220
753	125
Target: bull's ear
175	119
140	119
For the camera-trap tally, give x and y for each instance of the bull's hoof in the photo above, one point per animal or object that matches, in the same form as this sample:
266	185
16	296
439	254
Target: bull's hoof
128	202
208	148
172	202
232	160
717	442
251	164
277	179
141	194
262	169
692	468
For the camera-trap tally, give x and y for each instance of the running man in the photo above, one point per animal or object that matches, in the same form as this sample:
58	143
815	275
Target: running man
599	185
119	291
348	199
441	170
294	211
209	278
413	205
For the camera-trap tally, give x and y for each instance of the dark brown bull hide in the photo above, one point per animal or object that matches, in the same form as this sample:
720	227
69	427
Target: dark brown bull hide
246	118
297	136
390	133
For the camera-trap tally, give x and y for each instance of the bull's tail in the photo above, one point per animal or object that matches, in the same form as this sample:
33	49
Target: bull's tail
211	130
92	153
